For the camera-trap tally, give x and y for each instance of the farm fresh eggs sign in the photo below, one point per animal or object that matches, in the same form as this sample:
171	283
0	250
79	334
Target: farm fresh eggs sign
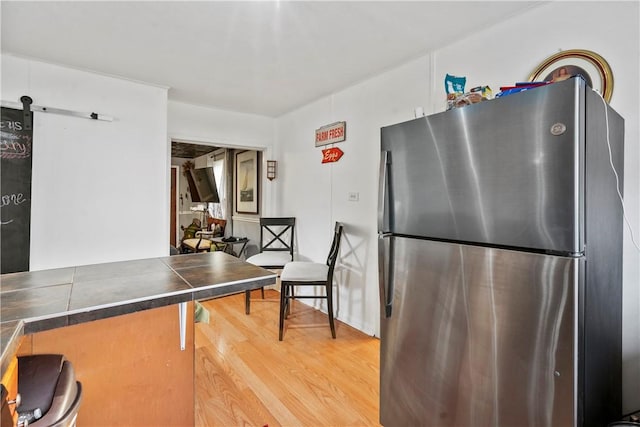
335	132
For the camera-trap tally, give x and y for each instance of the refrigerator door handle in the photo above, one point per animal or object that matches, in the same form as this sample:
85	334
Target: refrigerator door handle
383	219
385	272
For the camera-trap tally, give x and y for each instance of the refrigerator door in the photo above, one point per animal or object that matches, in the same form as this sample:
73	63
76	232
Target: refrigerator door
477	337
506	172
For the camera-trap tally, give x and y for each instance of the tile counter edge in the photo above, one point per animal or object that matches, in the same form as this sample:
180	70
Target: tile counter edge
13	330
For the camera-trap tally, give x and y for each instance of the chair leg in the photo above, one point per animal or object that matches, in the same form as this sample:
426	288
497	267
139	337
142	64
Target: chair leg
330	309
262	292
283	302
290	299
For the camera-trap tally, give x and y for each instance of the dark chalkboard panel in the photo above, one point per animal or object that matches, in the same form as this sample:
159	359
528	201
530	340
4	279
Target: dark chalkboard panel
15	187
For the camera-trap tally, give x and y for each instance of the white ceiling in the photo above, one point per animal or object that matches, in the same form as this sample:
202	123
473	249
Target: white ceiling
265	57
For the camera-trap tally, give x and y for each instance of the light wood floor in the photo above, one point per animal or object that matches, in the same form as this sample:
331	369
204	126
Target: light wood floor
246	377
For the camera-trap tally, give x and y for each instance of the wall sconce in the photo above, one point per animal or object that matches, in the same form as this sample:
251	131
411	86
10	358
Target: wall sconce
271	169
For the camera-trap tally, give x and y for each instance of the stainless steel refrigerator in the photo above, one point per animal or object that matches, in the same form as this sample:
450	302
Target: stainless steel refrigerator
500	263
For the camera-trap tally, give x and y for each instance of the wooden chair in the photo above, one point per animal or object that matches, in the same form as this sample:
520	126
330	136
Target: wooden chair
299	273
276	247
199	242
217	225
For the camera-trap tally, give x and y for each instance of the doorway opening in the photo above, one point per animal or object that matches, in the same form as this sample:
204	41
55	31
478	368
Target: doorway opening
222	159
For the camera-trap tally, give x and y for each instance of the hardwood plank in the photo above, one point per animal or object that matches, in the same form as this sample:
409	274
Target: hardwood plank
225	396
245	376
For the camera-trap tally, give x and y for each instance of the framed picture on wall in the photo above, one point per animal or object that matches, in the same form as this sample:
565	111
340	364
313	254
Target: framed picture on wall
247	185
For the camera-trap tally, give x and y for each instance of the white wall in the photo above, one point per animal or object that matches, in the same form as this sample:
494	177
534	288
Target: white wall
317	194
218	127
100	189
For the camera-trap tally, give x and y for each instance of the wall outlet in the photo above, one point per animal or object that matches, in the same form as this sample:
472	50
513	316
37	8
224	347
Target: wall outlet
354	197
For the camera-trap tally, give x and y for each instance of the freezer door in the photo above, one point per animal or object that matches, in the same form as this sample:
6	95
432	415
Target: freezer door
508	172
477	337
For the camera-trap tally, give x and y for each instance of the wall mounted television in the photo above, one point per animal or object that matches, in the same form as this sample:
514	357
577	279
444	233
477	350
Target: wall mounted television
202	185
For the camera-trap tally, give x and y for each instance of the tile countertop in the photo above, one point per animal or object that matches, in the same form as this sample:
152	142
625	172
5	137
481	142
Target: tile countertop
41	300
